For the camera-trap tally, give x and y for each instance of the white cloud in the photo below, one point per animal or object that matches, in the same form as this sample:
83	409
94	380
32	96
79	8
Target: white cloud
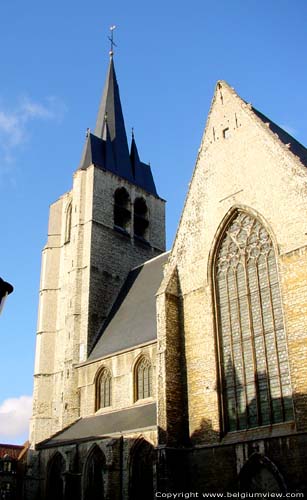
14	417
14	123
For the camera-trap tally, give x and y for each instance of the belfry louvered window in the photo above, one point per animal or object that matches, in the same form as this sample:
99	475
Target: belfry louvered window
104	389
254	368
143	379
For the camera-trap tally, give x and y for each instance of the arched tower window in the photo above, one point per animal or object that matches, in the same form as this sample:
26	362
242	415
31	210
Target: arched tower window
93	475
140	221
143	379
68	222
103	389
122	212
55	477
254	370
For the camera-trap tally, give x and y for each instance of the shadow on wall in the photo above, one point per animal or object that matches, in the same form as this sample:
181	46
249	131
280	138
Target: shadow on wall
246	405
72	474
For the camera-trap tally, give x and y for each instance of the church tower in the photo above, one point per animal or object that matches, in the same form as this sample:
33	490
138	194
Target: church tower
111	221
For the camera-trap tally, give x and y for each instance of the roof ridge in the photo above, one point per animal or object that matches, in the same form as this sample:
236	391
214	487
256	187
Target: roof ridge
150	260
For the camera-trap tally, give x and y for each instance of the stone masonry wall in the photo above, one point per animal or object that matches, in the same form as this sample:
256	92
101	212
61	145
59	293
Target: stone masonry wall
81	276
114	253
241	165
121	367
117	451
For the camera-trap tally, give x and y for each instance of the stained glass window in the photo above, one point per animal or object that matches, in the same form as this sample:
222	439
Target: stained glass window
256	387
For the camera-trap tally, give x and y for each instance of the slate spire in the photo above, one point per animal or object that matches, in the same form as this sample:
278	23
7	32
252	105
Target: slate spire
134	155
110	125
107	147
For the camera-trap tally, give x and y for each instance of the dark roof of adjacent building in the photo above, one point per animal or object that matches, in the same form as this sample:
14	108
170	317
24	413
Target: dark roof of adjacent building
294	146
132	320
108	148
130	419
10	450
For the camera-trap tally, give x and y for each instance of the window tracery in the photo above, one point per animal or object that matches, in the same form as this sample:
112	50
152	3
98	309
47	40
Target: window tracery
103	389
255	376
143	379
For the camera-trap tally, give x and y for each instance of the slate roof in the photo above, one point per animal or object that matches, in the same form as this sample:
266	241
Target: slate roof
294	146
108	148
138	417
12	450
132	320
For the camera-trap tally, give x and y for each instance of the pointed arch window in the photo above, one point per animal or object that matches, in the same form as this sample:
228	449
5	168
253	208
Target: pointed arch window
254	370
68	223
93	475
143	379
103	389
141	466
122	211
140	219
55	477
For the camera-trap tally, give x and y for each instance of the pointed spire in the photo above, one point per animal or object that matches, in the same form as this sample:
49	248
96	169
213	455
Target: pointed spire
134	155
86	158
108	148
110	121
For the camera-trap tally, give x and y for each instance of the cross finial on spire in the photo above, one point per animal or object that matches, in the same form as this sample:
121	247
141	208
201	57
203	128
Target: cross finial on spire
113	44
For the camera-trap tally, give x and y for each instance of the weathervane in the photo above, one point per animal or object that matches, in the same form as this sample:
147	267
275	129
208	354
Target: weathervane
113	44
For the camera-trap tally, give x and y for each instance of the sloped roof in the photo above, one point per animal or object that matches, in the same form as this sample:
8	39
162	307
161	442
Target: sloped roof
294	146
138	417
12	450
132	320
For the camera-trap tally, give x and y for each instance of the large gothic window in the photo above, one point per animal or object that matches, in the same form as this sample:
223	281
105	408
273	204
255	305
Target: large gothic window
143	379
93	475
254	368
103	389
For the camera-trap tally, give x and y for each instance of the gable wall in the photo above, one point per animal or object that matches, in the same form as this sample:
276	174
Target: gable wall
250	169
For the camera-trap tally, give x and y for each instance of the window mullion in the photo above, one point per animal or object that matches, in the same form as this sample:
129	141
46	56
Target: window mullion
242	347
232	355
265	345
275	339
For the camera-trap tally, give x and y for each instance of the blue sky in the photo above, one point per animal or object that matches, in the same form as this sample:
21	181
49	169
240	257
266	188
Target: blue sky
54	57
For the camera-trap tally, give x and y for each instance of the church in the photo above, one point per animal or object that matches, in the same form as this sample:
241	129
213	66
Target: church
183	371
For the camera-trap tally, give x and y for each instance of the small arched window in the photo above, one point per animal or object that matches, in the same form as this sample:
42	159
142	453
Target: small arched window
122	212
255	378
68	222
143	379
140	220
103	389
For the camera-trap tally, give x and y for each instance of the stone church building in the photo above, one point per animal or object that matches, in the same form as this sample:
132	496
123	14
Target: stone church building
180	371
